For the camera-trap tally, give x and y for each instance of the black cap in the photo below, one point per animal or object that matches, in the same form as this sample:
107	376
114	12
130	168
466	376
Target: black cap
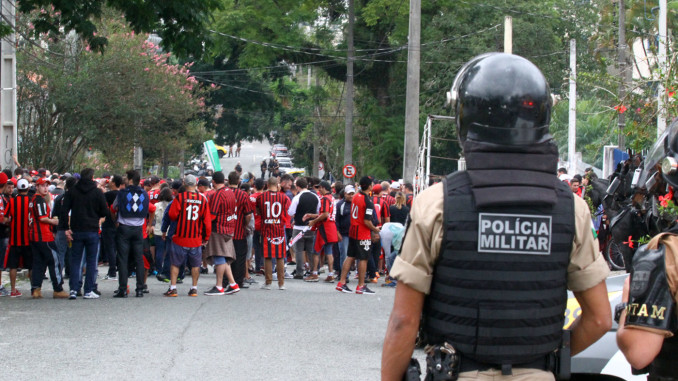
176	184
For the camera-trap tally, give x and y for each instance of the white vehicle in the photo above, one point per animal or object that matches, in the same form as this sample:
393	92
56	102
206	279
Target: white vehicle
285	162
280	151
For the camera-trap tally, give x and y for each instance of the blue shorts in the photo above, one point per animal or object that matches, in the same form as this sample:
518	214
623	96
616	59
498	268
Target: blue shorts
179	255
219	261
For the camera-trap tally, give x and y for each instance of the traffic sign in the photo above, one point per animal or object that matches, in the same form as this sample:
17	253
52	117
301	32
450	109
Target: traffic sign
349	171
321	166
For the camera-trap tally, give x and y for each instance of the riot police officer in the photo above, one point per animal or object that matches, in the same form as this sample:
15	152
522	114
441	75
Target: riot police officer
647	315
489	253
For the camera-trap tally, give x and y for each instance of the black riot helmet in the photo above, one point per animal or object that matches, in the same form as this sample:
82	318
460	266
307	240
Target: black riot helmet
670	161
502	99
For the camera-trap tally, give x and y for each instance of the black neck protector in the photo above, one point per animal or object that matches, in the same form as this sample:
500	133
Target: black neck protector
512	176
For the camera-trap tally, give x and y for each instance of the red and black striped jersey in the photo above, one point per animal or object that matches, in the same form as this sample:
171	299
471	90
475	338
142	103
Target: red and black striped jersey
41	231
362	209
243	208
18	210
390	200
222	206
194	222
381	209
273	207
408	200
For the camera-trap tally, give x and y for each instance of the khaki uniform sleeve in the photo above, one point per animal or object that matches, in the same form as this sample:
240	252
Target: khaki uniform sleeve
420	249
587	266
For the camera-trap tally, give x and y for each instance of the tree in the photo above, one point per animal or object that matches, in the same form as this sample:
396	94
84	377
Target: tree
180	23
132	95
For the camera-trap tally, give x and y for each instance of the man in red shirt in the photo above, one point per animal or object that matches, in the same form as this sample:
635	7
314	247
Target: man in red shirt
154	182
326	232
17	213
386	193
408	190
244	214
194	226
42	243
360	236
383	215
220	250
272	207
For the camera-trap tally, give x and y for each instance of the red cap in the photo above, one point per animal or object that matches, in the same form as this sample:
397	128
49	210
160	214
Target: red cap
42	180
3	178
34	173
13	180
376	189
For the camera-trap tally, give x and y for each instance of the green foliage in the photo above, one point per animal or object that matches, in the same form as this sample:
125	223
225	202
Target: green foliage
260	50
77	100
596	127
180	23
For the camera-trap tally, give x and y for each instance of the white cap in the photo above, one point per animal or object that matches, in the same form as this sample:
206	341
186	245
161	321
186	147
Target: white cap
349	189
22	184
395	185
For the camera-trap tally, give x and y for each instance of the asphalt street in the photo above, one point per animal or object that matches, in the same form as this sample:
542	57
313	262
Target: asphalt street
310	331
251	155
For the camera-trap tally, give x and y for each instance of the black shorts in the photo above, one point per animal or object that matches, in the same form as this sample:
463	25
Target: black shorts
16	253
359	249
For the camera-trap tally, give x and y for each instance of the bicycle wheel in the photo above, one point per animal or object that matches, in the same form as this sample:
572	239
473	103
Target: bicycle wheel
614	256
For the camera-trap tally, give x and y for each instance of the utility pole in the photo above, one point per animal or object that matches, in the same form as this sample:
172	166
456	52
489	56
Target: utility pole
508	34
412	95
572	122
621	50
316	134
661	61
8	111
348	131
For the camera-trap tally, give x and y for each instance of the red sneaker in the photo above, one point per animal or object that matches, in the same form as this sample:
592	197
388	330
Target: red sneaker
15	294
231	290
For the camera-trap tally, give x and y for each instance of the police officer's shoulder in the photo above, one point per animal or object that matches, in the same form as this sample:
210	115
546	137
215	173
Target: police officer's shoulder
431	195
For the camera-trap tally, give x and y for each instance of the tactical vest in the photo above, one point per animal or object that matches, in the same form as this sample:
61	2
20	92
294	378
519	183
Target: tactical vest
652	305
133	202
499	288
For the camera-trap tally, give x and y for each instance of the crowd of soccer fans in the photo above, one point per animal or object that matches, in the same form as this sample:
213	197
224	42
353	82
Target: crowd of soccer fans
238	226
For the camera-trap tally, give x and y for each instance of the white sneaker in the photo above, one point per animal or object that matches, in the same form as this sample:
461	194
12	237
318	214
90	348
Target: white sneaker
288	276
275	276
282	288
265	286
91	295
